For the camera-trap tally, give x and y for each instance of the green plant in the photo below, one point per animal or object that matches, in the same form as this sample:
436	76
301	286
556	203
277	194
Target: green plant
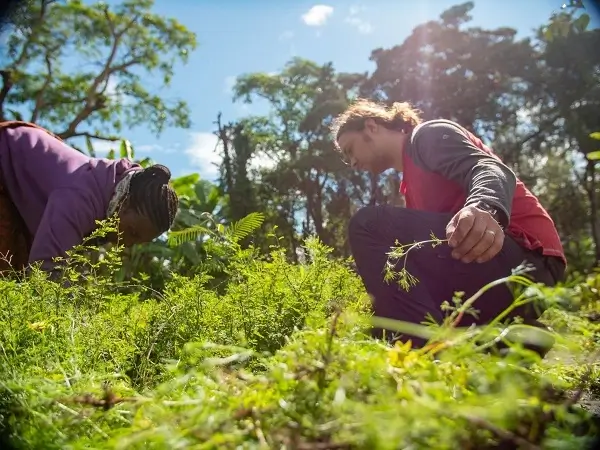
280	358
404	279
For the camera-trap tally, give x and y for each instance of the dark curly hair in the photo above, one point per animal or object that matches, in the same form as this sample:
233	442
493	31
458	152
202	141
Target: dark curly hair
151	195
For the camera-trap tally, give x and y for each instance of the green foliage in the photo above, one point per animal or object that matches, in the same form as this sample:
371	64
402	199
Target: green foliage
210	337
200	203
281	359
564	23
306	174
532	99
45	82
234	232
595	155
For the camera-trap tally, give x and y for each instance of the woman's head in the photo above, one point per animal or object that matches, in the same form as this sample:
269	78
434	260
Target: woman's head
370	136
150	206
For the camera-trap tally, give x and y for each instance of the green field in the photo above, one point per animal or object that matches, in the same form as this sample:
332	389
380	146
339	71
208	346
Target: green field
278	358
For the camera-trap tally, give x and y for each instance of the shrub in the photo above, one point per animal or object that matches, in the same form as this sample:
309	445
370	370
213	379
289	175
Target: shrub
280	358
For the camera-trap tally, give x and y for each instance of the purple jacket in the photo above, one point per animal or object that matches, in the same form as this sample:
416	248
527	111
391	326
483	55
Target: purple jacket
59	191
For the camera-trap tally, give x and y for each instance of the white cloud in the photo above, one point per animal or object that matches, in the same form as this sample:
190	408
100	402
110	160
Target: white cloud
146	148
363	26
204	151
317	15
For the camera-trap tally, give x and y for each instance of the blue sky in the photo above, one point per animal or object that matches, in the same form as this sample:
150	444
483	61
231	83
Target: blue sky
238	37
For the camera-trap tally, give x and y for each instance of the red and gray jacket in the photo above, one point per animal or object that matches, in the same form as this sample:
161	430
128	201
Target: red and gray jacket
445	167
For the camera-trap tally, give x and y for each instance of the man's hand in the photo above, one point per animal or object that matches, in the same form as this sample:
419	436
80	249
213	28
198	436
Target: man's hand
474	235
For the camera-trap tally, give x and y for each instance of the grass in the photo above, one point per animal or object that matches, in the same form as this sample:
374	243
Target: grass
281	358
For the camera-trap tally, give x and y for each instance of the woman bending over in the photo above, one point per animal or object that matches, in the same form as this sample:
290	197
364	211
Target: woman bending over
51	196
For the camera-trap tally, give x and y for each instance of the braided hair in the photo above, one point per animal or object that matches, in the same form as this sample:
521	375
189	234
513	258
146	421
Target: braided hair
151	196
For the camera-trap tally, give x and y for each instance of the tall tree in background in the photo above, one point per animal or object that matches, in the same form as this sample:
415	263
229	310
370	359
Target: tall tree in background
470	75
76	68
297	189
568	89
238	150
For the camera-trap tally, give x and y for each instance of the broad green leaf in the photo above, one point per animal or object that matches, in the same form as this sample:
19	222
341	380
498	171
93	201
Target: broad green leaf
189	218
111	154
126	149
184	186
214	198
204	192
593	156
595	135
582	22
186	179
146	162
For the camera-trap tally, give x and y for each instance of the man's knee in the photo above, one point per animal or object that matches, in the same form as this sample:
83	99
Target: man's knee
362	221
377	219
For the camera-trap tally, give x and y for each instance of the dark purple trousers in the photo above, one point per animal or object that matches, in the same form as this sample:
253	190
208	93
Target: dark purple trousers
374	229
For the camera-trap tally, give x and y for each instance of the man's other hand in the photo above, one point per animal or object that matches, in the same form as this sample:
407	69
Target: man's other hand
474	235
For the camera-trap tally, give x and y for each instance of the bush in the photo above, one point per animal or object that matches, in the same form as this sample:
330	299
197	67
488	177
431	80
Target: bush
280	359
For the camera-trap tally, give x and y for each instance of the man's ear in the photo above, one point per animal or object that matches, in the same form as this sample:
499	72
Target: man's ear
371	126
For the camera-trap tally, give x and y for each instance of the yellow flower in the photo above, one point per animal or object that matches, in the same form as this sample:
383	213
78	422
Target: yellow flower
38	326
401	356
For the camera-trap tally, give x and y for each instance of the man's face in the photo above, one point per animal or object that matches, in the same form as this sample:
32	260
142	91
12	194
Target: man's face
364	150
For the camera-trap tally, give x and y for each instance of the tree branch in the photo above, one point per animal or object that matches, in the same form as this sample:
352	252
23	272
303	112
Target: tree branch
7	84
91	103
540	130
95	136
43	9
39	99
124	66
6	75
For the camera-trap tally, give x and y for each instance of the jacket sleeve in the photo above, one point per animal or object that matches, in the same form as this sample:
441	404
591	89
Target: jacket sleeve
444	148
69	217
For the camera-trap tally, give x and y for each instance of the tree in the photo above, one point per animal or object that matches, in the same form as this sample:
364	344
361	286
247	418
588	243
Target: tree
567	100
470	75
77	68
309	191
238	144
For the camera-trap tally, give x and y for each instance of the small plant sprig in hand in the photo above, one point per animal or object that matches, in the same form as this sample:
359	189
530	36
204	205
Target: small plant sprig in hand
404	279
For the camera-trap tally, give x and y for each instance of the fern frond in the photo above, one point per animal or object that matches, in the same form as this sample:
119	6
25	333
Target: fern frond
246	225
186	235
